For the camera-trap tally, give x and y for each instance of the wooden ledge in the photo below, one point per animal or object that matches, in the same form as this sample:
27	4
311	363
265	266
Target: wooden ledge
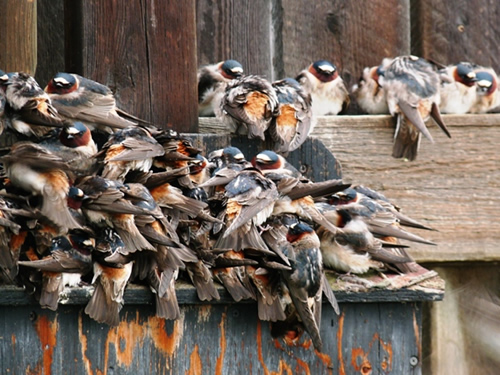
453	185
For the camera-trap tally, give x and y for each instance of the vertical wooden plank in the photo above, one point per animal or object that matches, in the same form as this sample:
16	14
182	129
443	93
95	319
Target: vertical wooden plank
18	42
237	29
171	38
450	32
351	34
144	51
50	39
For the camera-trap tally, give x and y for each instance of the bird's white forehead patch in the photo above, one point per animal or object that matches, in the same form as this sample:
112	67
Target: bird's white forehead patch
72	130
471	75
484	83
61	80
237	69
263	157
326	68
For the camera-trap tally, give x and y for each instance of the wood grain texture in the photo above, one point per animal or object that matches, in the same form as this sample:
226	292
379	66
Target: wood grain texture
236	29
145	52
18	41
50	40
450	32
207	339
350	34
452	186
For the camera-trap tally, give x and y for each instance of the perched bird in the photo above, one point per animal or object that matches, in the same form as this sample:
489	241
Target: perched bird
459	95
322	81
304	283
29	108
487	97
68	259
248	106
212	81
294	121
41	173
110	280
129	149
74	144
79	98
369	95
412	89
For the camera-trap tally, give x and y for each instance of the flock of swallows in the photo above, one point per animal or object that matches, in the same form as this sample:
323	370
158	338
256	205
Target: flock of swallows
145	206
408	87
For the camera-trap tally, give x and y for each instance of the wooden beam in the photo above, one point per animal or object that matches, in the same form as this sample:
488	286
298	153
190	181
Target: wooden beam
145	51
236	29
18	40
452	186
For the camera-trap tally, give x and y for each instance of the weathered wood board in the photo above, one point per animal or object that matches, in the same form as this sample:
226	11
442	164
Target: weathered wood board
384	337
236	29
450	32
452	186
18	38
146	53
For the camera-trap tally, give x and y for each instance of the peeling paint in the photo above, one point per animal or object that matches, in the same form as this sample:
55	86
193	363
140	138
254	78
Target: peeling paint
125	337
204	312
83	345
164	342
195	364
259	348
387	362
220	359
416	330
47	333
326	359
340	335
302	367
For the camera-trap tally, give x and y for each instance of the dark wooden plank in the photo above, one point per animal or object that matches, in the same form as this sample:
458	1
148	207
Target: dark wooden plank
144	51
50	39
450	32
351	34
18	41
237	29
219	339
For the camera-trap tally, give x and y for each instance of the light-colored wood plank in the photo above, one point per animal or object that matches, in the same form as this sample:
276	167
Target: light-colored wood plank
452	186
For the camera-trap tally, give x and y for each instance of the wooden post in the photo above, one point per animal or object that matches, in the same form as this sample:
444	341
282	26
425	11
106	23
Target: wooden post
18	36
145	51
460	31
236	29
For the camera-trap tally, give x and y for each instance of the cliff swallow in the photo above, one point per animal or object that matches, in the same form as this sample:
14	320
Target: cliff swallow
74	144
41	173
322	81
369	95
354	248
294	121
295	196
212	80
109	281
248	106
304	281
29	108
79	98
69	258
487	97
412	89
232	162
458	95
250	201
129	149
105	205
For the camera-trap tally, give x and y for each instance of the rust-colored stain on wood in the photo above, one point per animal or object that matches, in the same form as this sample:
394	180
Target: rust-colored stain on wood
195	364
326	359
83	345
365	367
302	367
220	359
166	343
340	335
13	341
125	337
416	330
47	332
387	361
204	312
